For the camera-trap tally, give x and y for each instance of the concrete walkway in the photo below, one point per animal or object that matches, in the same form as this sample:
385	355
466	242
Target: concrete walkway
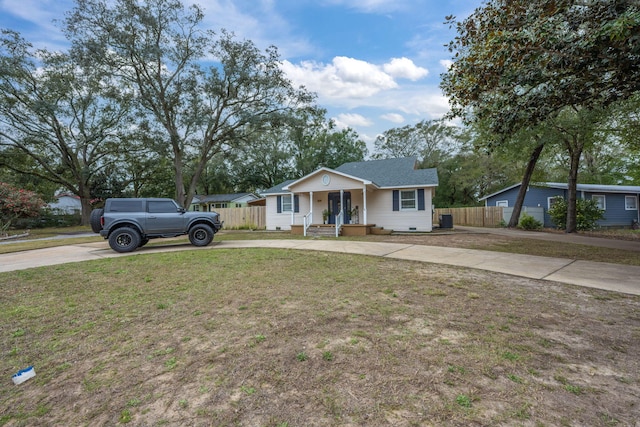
613	277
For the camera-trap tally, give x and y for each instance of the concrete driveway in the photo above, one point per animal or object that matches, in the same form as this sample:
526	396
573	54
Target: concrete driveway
600	275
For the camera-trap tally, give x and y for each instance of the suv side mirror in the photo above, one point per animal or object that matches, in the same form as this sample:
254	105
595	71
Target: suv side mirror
182	210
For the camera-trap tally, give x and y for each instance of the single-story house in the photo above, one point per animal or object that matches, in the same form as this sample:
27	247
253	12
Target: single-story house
217	201
391	194
66	204
619	202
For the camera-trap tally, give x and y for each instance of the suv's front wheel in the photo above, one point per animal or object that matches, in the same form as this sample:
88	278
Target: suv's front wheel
124	239
201	235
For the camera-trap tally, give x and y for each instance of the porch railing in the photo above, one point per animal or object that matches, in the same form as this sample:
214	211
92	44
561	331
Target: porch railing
306	221
339	222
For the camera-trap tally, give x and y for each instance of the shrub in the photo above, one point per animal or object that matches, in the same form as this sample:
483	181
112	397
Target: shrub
587	214
527	222
17	203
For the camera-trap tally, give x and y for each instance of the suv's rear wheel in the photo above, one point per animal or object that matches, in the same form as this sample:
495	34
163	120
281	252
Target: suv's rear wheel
95	220
124	239
201	235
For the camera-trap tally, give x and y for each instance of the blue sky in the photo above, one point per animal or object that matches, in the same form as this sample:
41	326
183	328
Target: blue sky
375	64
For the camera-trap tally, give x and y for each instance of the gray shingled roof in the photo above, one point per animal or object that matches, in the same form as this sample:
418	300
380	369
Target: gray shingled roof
391	172
383	173
278	188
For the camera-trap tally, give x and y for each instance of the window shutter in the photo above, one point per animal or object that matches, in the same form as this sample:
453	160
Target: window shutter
420	199
296	203
279	204
396	200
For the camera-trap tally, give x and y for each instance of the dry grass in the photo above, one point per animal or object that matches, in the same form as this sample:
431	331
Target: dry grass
258	337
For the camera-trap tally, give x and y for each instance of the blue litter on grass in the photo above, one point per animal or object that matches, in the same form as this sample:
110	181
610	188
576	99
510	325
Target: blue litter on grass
23	375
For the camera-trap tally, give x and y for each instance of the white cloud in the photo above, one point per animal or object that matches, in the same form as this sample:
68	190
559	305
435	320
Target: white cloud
393	117
344	78
446	63
405	68
351	120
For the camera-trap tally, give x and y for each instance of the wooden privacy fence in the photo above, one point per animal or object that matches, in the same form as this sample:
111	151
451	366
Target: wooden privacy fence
253	218
481	216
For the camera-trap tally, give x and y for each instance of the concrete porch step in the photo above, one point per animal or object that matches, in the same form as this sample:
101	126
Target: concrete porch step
322	230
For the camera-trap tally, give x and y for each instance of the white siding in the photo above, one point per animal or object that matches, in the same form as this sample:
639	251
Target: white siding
380	212
282	221
67	205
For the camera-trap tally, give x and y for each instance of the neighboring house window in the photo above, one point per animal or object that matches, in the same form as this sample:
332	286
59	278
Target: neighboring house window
502	203
552	200
630	203
600	201
196	208
408	200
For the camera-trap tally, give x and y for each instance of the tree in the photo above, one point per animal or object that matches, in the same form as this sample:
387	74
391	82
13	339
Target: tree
159	48
301	145
67	120
430	140
518	64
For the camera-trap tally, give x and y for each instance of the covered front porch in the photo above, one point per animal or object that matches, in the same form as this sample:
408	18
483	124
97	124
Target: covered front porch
339	212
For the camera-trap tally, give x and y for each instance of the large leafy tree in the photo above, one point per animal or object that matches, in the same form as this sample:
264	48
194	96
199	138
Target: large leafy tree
205	92
307	142
520	63
430	140
59	121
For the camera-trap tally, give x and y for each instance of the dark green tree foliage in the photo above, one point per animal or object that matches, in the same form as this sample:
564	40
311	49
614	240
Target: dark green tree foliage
519	63
59	121
159	47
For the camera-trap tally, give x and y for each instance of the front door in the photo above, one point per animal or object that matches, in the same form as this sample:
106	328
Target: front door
335	206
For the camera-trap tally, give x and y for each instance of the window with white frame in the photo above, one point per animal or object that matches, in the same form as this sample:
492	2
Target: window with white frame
552	200
601	201
630	203
286	203
408	200
502	203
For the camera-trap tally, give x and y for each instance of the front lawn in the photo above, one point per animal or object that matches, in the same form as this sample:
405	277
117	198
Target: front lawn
262	337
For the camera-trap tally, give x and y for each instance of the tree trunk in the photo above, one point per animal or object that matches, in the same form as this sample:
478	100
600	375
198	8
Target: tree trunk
517	207
575	151
85	204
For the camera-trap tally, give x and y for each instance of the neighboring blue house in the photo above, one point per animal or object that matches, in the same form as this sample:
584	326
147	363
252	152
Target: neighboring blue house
620	202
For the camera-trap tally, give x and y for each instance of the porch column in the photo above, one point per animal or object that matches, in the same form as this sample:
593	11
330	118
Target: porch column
293	209
342	204
364	210
311	206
